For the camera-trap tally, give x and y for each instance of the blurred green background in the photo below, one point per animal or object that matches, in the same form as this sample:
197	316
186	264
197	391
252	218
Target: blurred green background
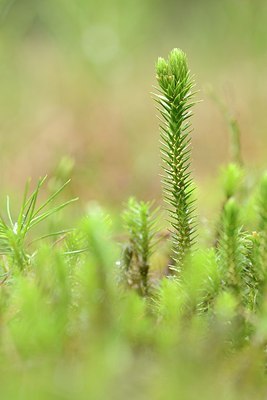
76	77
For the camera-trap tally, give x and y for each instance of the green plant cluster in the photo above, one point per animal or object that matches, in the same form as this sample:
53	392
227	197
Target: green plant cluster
159	315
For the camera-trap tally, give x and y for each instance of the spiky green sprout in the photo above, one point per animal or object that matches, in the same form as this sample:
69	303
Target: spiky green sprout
140	222
13	234
232	177
258	250
262	224
233	250
175	101
243	256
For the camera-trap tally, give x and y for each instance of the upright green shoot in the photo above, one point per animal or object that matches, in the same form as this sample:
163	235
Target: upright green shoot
233	252
175	101
262	223
140	222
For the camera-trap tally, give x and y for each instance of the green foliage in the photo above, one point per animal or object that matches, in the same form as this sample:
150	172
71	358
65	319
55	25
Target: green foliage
202	279
232	179
233	250
140	222
13	234
175	99
262	223
69	331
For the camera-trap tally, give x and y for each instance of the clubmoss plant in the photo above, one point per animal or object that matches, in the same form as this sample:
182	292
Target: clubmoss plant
175	101
232	176
262	223
233	251
256	274
140	222
232	180
258	250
